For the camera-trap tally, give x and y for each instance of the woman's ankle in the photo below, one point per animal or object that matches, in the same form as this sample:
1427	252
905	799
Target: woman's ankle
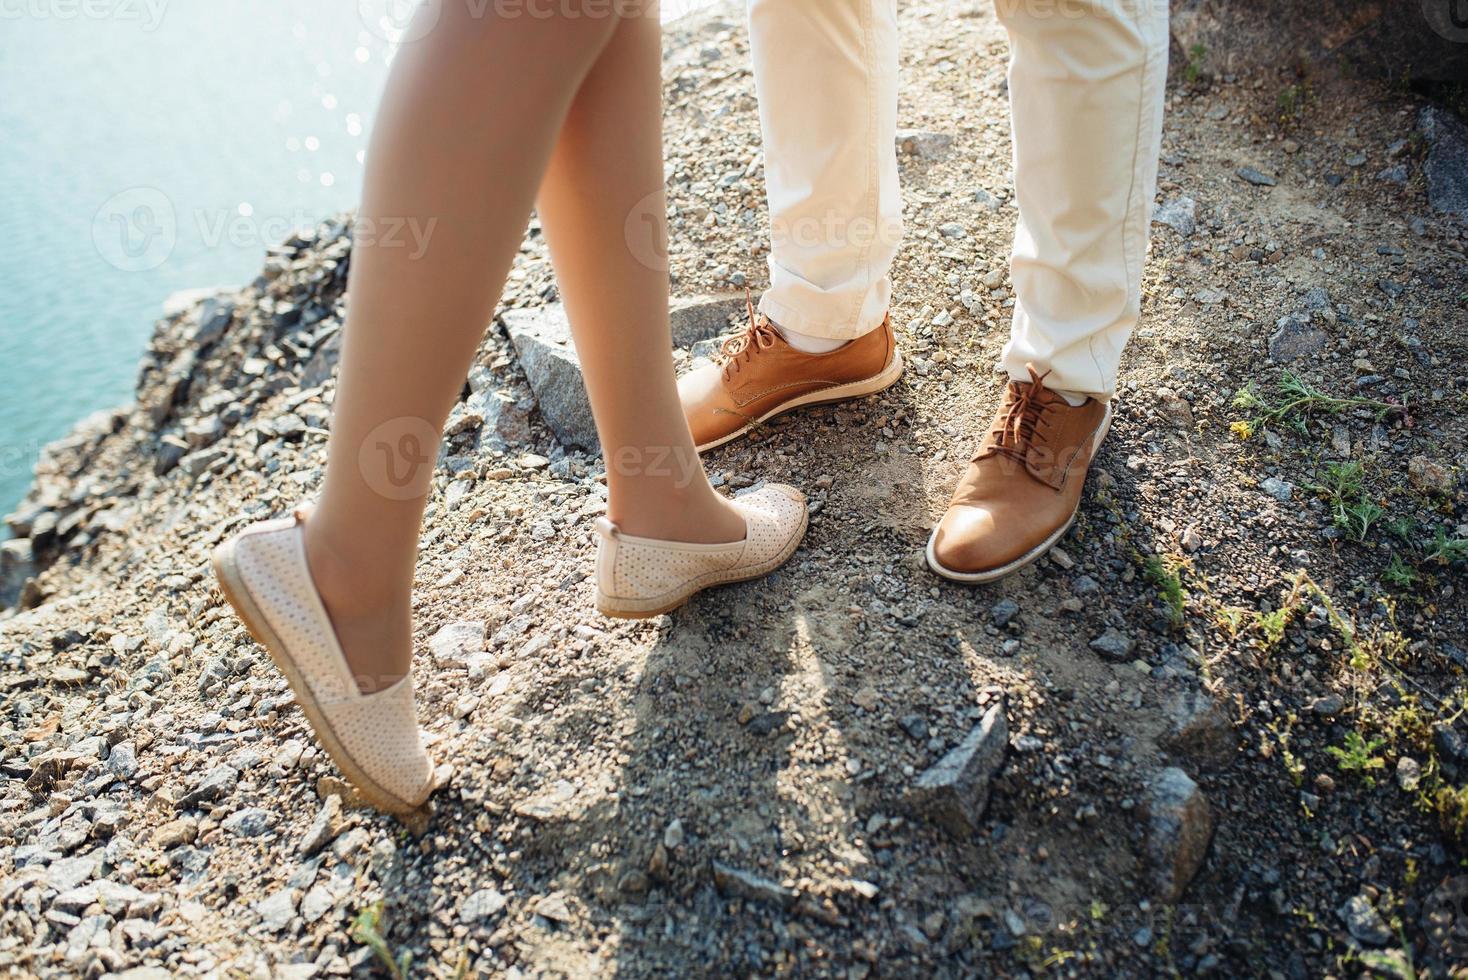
372	616
694	514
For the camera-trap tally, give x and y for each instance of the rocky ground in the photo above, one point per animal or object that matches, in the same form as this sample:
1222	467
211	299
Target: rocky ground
1220	730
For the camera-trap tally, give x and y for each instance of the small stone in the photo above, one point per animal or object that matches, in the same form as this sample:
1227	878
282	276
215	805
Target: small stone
176	832
1198	729
1179	827
1113	644
250	822
1295	337
1192	539
458	642
290	753
955	791
1409	773
746	884
923	145
1328	706
1062	558
673	835
1255	177
278	910
1003	612
123	760
553	907
351	843
481	905
324	827
317	902
217	784
916	727
1364	922
67	873
1179	214
1425	474
1277	488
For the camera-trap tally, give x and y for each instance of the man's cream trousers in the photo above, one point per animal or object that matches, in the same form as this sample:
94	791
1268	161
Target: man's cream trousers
1086	80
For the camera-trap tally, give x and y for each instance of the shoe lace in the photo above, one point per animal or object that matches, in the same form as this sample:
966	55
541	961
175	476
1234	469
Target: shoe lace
1021	419
759	335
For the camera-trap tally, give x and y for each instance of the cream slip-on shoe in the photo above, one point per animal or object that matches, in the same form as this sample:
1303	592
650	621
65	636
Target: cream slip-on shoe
373	738
641	577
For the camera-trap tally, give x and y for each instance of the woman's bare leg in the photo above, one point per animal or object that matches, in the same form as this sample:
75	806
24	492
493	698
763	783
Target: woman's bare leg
467	126
605	183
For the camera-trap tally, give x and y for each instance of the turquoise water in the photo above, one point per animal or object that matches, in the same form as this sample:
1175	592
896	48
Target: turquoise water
148	146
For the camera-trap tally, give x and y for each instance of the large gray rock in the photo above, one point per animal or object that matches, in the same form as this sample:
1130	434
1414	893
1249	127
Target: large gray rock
542	338
1447	160
1179	827
703	317
955	791
17	565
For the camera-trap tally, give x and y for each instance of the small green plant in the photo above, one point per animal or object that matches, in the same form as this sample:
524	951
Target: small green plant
1272	625
1402	528
1293	402
1292	762
1399	573
365	931
1231	619
1193	70
1291	100
1359	755
1451	804
1445	550
1166	573
1351	509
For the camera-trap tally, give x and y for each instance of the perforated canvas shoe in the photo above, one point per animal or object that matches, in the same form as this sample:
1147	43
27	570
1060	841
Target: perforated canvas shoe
760	376
1022	489
641	577
372	738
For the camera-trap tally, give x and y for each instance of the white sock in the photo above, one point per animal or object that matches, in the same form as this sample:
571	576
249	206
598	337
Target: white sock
807	344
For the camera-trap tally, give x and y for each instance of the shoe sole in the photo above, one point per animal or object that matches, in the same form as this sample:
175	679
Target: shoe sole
620	608
881	381
226	571
1034	554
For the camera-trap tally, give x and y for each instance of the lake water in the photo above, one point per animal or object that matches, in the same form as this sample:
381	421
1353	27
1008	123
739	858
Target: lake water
148	146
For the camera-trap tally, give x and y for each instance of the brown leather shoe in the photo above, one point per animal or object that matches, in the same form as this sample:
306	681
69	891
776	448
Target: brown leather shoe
1023	487
761	376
